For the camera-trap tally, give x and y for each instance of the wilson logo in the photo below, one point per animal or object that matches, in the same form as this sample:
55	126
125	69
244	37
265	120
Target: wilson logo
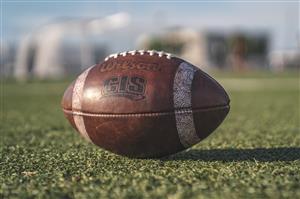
125	86
128	65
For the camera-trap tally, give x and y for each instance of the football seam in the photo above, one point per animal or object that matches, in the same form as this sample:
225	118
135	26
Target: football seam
153	114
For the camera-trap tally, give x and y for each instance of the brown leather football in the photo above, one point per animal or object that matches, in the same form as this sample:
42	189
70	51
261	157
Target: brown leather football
145	104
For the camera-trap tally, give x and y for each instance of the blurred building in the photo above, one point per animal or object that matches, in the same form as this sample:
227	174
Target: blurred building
65	47
218	49
7	58
286	59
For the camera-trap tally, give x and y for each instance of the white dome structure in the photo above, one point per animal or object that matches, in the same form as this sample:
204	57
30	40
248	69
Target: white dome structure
41	53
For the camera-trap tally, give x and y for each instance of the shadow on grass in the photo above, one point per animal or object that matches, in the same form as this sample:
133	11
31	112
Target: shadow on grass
228	155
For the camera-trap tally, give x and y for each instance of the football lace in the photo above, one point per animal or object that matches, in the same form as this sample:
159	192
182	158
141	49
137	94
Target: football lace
140	52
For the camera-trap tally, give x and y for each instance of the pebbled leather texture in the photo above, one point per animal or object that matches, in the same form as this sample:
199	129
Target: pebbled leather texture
127	105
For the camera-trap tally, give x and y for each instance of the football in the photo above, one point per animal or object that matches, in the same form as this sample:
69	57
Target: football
145	104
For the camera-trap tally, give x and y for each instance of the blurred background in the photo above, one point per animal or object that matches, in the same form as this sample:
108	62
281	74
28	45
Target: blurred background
54	40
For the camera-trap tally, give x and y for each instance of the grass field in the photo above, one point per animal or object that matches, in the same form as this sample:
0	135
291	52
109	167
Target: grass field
255	153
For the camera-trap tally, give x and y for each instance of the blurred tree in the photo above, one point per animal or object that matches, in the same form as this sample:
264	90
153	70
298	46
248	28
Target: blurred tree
239	51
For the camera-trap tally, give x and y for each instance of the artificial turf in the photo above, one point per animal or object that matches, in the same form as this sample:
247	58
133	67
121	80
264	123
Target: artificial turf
255	153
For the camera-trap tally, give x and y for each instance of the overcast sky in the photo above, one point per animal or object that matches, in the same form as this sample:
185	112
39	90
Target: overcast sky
280	19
